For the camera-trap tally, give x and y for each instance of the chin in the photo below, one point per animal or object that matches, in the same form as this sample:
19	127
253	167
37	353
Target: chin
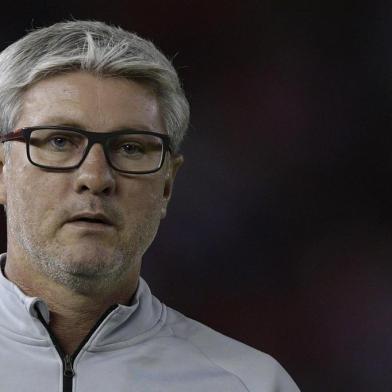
87	269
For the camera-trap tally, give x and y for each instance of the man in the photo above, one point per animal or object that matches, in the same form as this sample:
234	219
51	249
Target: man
92	118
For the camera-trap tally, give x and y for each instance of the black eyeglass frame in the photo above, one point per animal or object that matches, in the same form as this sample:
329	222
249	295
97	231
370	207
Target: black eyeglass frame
24	134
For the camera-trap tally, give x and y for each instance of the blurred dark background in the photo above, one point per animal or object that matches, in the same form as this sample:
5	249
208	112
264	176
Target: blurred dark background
280	229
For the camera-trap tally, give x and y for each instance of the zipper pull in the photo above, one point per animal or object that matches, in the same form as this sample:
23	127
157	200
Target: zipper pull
68	369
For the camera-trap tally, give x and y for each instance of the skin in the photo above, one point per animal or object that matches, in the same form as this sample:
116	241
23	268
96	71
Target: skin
81	271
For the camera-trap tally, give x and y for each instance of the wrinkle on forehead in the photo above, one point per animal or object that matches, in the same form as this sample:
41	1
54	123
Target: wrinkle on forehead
97	103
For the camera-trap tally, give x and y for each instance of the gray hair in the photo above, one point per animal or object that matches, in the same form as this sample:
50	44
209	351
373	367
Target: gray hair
97	48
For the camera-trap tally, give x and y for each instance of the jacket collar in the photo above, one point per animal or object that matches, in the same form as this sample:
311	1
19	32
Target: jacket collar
144	314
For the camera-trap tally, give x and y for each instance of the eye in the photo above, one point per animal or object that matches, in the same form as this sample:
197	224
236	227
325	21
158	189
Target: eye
61	143
132	148
58	141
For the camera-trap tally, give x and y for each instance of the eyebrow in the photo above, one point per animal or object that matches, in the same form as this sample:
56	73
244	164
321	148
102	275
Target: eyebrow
61	121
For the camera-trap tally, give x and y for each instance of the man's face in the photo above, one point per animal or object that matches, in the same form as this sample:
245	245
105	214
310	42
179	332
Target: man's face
40	203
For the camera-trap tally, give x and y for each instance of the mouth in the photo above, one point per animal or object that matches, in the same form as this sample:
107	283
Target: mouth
90	220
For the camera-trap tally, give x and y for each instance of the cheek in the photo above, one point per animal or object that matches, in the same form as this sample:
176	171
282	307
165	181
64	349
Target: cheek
143	205
145	196
32	193
142	215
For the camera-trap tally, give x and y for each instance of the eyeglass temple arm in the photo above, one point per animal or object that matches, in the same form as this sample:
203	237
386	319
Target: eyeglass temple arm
14	135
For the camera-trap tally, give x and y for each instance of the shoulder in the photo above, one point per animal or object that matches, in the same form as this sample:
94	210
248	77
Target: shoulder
257	370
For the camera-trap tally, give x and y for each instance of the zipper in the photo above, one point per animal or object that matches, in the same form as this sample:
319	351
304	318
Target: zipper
68	369
68	373
67	359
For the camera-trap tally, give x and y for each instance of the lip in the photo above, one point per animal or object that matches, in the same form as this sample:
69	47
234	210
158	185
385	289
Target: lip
92	227
82	219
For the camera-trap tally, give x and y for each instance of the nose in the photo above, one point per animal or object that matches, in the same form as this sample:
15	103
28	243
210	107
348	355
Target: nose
95	175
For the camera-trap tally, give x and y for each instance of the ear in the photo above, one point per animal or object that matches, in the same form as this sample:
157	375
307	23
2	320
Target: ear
3	193
174	164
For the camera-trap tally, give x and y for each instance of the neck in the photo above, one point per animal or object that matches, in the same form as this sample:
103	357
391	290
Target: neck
72	315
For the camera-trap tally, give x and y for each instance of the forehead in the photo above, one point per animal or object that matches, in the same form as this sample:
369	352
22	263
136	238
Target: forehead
92	102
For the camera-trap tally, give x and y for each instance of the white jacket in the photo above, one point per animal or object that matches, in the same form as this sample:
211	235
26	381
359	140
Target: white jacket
144	347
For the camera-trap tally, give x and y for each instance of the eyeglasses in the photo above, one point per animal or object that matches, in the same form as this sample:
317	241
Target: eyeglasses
65	148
